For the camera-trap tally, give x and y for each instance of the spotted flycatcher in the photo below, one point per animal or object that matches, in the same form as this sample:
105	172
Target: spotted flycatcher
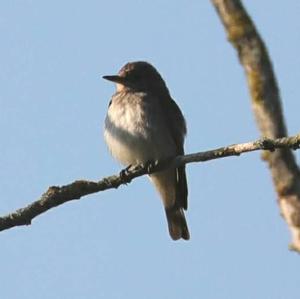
144	124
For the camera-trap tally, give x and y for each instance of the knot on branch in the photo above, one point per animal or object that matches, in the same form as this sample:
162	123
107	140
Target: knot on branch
296	142
267	144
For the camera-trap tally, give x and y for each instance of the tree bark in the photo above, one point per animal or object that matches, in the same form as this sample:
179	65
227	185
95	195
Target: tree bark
267	108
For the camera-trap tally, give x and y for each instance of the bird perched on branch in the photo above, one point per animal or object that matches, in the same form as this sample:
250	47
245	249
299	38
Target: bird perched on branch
143	125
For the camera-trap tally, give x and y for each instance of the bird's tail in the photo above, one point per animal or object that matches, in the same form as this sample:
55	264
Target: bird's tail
177	224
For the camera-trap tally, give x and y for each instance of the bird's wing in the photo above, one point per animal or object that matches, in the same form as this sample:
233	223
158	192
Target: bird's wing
177	128
176	124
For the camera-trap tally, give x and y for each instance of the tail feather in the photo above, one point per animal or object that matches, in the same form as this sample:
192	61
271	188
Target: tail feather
172	186
177	224
182	190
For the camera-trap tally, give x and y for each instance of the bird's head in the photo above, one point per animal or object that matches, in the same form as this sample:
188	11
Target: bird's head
139	76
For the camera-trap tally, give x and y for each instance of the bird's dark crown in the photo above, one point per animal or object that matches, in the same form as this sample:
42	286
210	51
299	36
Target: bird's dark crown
140	76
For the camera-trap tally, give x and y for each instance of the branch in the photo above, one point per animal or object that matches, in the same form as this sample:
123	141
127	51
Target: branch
266	106
56	196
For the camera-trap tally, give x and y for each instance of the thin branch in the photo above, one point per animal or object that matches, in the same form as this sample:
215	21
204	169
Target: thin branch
56	196
266	106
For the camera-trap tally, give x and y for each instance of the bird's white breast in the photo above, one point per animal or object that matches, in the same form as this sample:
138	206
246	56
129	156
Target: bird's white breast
133	132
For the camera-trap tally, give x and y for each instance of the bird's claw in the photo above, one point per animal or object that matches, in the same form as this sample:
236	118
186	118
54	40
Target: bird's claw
150	165
124	174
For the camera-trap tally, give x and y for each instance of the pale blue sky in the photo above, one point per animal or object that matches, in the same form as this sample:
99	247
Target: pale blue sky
115	244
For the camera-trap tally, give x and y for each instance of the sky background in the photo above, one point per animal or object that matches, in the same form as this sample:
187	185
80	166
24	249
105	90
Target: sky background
115	244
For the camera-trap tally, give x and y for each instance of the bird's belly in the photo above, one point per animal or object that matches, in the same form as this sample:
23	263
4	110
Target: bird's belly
127	149
132	140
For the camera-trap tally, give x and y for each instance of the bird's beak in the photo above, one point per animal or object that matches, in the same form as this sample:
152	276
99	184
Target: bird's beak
116	79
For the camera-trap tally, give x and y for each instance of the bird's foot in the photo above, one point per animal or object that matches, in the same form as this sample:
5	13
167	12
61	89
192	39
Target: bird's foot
150	165
124	174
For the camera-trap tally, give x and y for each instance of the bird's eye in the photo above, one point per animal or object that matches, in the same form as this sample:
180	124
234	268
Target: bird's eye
134	77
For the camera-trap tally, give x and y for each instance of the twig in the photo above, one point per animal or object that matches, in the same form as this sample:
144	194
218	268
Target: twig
56	196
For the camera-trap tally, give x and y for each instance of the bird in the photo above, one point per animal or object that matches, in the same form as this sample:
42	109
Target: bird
143	125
